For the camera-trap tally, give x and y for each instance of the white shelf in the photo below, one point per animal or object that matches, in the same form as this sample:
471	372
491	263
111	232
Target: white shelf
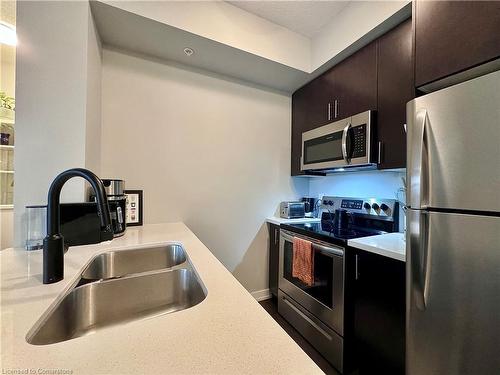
7	116
12	172
7	147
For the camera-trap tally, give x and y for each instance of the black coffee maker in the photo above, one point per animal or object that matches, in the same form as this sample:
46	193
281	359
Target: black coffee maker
310	206
341	219
117	204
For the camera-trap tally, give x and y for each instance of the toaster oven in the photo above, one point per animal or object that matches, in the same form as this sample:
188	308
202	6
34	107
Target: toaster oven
292	210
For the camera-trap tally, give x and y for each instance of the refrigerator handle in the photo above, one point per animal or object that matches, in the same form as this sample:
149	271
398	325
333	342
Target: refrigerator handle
420	261
418	166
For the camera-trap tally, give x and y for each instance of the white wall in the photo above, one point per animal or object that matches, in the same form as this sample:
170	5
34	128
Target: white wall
7	84
379	184
225	23
93	104
53	63
6	228
357	20
370	184
206	150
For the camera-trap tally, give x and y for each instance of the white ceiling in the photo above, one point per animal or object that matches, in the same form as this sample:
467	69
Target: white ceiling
303	17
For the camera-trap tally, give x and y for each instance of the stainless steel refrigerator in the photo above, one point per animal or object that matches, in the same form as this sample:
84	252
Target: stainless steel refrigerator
453	230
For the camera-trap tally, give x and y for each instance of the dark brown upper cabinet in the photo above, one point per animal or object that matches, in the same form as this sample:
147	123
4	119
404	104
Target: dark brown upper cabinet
318	98
395	89
311	108
342	91
354	88
453	36
299	124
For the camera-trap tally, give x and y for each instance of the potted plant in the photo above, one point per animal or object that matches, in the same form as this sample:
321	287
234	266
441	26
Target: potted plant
7	106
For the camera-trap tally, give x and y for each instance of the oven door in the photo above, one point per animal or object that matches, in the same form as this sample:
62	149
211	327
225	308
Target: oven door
325	298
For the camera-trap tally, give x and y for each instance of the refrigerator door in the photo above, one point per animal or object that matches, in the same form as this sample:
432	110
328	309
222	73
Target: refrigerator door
453	294
453	152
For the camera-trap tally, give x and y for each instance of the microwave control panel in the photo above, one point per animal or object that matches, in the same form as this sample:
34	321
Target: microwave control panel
359	140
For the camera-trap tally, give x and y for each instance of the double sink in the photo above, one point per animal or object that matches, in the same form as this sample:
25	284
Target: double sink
117	287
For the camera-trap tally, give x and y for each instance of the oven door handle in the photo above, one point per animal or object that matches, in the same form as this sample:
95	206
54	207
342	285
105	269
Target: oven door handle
325	249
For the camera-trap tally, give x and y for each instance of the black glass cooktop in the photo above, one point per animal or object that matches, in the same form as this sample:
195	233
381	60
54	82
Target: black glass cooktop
326	231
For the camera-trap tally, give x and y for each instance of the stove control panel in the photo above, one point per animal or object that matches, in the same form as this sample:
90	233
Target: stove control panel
351	203
364	206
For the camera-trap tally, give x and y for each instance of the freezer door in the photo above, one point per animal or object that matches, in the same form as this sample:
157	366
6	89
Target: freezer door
453	294
453	152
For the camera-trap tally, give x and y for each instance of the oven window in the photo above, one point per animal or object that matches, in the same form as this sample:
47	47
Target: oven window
322	289
326	148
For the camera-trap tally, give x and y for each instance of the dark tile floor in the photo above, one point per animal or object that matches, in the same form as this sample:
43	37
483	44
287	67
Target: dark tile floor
271	307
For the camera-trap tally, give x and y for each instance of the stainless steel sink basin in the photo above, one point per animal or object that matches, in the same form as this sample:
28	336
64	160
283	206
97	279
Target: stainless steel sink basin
119	263
96	305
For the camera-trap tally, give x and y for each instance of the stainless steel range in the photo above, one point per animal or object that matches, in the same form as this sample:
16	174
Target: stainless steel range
317	311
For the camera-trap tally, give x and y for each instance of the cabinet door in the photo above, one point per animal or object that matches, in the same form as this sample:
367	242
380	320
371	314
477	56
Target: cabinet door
452	36
379	314
318	111
395	89
299	121
274	242
310	109
355	82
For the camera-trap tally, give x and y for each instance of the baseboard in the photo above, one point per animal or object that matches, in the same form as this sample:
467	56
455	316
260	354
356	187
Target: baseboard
261	295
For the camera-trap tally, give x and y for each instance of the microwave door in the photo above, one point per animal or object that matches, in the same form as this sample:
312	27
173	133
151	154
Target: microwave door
322	148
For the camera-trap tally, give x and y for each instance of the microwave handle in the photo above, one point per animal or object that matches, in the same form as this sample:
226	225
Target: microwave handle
344	143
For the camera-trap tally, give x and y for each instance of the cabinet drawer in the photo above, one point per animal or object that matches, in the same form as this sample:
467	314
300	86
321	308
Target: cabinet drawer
324	339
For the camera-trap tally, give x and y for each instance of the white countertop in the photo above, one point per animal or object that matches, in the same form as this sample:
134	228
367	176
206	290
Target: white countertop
391	245
227	333
279	220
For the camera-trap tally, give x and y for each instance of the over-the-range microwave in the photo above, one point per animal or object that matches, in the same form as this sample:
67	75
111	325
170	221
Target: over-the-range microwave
342	144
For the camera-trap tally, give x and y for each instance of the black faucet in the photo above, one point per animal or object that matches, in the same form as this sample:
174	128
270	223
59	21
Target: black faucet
53	244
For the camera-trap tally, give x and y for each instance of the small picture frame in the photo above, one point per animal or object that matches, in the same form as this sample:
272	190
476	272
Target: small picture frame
133	209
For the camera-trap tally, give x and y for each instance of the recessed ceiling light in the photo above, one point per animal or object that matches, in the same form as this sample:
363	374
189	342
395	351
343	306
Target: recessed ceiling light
188	51
7	34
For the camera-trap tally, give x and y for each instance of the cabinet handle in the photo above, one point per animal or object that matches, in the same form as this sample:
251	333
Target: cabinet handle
276	236
329	114
380	147
356	268
404	127
336	108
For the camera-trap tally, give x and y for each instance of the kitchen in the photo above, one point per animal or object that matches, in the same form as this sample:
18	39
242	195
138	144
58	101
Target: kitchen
216	112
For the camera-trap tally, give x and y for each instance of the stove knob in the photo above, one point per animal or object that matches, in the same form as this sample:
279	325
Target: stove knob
367	206
384	207
375	206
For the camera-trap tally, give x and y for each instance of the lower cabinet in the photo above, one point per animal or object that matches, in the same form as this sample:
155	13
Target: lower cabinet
379	313
274	249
